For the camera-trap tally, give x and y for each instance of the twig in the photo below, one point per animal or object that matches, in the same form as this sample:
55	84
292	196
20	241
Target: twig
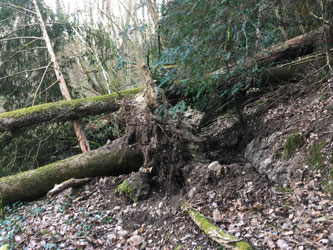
21	37
25	71
40	83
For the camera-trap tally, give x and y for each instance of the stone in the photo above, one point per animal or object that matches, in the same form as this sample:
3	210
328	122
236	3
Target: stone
111	237
116	208
135	240
122	233
191	193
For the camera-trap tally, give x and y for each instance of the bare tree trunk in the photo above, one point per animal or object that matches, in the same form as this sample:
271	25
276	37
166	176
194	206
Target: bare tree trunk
84	144
152	10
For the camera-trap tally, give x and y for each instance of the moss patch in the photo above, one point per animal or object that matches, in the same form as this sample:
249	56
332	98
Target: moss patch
136	187
125	188
291	145
315	156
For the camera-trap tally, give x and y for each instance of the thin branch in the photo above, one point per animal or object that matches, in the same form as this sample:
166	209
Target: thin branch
40	83
18	8
54	83
25	71
20	49
21	37
20	27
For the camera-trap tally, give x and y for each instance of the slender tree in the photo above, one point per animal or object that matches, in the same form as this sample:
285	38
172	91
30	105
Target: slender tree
84	144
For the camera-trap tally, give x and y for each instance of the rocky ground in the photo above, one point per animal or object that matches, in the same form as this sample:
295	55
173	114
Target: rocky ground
254	191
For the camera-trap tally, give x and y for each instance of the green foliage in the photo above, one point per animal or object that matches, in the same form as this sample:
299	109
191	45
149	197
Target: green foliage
316	158
205	36
36	147
23	56
100	129
291	146
221	37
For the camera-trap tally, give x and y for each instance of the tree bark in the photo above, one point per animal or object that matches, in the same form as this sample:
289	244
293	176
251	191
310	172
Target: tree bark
63	110
104	161
83	142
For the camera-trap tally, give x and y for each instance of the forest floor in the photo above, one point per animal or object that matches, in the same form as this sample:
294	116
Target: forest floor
237	199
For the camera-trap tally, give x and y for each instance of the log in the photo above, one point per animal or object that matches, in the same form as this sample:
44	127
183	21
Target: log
290	49
223	238
62	110
294	70
67	184
104	161
282	52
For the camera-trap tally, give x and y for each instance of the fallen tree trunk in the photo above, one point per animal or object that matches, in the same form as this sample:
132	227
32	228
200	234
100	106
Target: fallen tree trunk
296	69
104	161
281	52
62	110
290	49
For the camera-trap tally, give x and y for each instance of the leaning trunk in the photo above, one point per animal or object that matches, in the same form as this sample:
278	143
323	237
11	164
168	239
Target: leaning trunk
83	142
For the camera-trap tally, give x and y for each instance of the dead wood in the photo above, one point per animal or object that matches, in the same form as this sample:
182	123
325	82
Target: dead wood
83	142
298	46
110	160
223	238
62	110
67	184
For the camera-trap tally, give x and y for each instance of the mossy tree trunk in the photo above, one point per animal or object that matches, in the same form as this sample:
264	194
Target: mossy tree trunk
223	238
62	110
104	161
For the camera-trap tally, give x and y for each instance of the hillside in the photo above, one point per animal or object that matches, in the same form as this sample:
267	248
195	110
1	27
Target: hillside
266	190
166	124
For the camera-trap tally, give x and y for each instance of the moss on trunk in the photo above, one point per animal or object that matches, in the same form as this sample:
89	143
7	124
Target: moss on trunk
32	184
62	110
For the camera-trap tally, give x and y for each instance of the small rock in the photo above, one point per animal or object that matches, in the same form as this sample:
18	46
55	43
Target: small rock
216	167
283	244
116	208
159	212
122	233
135	240
160	205
136	187
192	192
111	237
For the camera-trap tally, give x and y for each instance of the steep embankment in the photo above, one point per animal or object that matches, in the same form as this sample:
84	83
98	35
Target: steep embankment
269	188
